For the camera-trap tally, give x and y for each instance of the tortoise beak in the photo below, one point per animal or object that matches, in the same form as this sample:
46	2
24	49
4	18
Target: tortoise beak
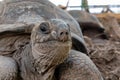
61	36
54	34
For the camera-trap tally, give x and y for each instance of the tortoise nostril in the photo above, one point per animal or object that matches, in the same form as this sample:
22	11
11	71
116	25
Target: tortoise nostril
66	33
63	35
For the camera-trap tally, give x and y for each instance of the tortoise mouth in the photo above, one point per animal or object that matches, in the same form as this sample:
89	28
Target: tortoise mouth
55	42
52	41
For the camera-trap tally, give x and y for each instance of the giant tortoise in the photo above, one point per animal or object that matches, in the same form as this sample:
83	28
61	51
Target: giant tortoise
39	41
89	23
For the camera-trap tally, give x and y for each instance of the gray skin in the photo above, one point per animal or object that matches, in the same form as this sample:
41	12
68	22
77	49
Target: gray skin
39	41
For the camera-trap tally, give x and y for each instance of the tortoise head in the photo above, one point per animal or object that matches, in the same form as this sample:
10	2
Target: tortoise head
51	42
48	31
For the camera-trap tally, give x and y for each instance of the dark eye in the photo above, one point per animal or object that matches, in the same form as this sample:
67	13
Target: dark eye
44	28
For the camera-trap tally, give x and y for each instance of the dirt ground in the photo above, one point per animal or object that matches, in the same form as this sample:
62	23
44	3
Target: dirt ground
106	53
106	56
117	16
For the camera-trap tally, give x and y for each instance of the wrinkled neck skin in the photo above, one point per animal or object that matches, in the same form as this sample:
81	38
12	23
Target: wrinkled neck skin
34	65
47	56
41	63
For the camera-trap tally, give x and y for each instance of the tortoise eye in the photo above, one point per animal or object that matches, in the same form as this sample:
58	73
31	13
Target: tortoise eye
44	27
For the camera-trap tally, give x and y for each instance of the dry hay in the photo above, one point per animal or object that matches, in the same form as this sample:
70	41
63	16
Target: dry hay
117	16
112	27
106	56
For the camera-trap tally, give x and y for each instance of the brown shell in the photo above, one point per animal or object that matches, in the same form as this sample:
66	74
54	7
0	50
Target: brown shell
89	23
31	12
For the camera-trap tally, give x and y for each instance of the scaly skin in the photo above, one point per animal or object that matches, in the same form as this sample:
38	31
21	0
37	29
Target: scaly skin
8	68
78	66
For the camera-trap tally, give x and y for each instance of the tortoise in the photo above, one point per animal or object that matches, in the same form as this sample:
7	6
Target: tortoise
39	41
89	23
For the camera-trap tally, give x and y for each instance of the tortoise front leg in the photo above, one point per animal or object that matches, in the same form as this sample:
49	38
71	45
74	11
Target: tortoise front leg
8	68
78	66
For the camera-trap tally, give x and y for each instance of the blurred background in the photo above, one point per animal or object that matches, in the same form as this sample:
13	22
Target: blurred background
95	6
